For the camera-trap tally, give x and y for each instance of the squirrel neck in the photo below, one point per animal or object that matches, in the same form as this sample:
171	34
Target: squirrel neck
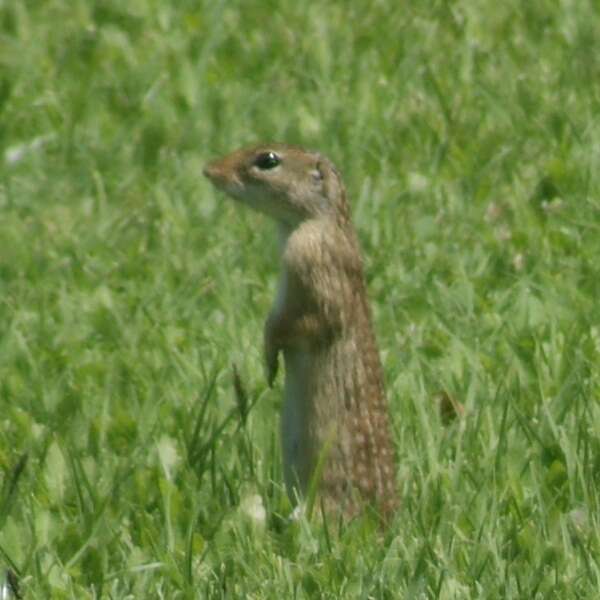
286	230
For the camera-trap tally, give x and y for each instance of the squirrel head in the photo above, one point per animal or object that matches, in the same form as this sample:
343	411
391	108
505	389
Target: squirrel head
284	182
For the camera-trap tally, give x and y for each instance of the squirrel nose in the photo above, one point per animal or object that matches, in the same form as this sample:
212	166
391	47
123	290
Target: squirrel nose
214	171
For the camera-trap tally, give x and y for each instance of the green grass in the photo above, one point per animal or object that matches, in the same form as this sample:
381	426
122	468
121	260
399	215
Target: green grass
467	133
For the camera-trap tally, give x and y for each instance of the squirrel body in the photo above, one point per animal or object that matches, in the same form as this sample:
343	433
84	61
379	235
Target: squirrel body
335	424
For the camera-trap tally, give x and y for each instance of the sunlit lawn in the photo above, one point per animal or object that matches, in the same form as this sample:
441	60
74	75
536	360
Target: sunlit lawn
467	134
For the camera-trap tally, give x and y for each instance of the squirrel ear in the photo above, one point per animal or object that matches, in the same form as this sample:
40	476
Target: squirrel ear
332	182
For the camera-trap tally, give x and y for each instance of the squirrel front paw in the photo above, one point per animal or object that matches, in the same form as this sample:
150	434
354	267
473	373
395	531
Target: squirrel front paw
271	362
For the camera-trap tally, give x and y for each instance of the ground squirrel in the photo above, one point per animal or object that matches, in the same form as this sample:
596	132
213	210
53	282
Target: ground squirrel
335	426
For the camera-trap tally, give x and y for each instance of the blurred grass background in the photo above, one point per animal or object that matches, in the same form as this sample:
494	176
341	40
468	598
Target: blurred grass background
467	133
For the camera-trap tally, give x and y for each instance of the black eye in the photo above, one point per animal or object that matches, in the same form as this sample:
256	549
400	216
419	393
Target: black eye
267	160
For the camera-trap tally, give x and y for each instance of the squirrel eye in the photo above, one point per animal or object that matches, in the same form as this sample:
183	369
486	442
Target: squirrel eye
267	160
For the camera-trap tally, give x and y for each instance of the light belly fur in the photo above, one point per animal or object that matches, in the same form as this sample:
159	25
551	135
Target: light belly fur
295	421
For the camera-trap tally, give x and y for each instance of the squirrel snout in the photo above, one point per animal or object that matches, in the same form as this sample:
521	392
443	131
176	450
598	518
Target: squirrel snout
218	174
208	171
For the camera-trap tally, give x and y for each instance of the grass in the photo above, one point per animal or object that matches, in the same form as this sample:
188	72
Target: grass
467	134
